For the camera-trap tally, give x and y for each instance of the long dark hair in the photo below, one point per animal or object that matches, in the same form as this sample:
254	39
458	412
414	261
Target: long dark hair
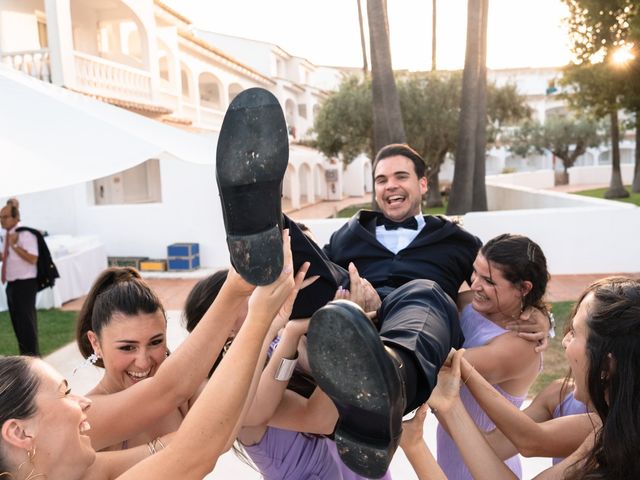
18	387
519	258
116	290
613	380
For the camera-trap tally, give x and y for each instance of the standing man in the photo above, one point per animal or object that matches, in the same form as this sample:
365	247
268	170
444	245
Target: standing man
19	273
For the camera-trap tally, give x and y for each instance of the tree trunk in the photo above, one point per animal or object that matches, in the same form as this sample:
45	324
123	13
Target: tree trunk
616	187
461	198
479	202
387	116
365	64
434	198
433	35
635	188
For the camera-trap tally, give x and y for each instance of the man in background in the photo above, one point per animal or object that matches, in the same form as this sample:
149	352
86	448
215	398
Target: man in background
19	273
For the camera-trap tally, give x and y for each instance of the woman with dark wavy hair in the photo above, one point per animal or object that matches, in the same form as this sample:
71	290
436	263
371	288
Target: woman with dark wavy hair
603	351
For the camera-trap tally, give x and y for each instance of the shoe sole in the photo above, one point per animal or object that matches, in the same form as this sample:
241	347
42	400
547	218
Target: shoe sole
251	160
348	361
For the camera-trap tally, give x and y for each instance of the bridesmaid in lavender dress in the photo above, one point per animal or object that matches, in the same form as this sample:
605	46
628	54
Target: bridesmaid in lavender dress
510	274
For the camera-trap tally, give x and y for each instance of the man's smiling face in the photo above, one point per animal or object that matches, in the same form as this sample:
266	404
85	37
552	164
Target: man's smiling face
398	189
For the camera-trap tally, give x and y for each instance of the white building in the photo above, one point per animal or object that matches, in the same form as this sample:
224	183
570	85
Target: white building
143	56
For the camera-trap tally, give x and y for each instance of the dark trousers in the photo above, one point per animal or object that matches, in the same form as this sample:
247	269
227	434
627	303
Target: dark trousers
21	299
417	317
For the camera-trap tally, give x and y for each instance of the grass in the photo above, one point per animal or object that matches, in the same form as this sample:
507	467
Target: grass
555	363
350	211
55	329
599	193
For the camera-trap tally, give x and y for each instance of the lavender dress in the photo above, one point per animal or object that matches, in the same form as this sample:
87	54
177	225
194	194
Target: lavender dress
477	331
347	474
287	455
569	406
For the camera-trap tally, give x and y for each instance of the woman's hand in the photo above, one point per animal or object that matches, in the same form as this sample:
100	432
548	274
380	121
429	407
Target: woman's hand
299	283
413	430
268	299
448	387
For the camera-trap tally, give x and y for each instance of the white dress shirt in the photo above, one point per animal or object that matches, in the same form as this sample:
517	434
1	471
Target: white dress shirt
396	240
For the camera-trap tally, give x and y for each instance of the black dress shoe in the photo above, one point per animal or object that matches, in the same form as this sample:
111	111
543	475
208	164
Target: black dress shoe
353	367
251	160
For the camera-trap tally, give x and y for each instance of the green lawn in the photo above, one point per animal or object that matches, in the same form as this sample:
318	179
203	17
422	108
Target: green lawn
349	211
599	193
55	329
555	363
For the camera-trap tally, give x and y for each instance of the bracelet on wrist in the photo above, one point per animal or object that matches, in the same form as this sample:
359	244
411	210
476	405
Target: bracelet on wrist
285	369
552	325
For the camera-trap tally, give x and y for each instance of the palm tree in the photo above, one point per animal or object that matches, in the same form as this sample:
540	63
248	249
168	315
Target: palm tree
468	175
387	116
365	64
433	35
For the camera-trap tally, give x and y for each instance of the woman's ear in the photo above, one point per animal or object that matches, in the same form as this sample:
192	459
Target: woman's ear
525	287
95	343
15	432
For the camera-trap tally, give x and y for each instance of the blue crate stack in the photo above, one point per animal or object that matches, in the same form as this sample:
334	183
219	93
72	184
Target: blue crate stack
183	257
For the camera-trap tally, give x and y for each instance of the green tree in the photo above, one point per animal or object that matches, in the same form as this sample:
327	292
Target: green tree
387	116
598	28
431	109
468	190
565	136
597	91
344	124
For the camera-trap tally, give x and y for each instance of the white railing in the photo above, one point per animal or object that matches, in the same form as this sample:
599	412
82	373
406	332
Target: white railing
103	77
167	95
32	62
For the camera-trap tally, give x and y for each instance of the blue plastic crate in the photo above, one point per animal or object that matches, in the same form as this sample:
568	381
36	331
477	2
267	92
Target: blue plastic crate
178	264
183	249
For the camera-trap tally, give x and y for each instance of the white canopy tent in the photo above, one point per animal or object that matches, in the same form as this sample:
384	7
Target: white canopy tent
51	137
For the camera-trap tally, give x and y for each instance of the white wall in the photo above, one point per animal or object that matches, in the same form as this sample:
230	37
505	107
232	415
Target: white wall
513	197
353	177
537	179
189	212
599	174
574	240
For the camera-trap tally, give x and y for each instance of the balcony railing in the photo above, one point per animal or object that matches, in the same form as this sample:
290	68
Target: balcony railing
105	78
32	62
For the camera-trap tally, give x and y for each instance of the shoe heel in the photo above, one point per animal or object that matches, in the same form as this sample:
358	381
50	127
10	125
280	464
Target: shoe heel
252	255
366	459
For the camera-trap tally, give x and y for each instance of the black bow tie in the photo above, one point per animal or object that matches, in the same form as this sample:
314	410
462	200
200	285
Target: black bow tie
411	223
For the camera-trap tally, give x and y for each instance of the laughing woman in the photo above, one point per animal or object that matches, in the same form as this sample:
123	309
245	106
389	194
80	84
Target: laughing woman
603	351
144	393
43	427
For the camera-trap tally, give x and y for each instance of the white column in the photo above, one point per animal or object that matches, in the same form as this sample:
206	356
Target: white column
60	37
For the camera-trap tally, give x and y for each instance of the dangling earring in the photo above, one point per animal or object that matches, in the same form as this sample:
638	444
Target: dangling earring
90	360
31	454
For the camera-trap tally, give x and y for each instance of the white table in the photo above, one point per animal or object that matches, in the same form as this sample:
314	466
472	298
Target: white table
79	261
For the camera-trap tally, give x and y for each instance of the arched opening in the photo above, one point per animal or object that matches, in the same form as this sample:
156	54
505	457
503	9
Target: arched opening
307	194
368	177
289	115
209	88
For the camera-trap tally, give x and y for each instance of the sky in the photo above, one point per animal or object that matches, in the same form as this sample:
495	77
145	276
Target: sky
522	33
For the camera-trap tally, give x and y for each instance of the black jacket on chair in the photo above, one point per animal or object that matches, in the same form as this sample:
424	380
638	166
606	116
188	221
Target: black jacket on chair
443	252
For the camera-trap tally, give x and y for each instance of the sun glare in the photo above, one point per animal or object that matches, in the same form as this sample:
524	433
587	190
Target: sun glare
623	54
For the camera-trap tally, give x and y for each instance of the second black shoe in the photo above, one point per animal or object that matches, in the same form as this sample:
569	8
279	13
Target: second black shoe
353	367
251	160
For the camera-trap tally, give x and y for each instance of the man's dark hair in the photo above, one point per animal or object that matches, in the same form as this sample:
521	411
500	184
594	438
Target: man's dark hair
406	151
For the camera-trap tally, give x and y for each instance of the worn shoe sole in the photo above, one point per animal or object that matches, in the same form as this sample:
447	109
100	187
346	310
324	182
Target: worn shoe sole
251	160
350	364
